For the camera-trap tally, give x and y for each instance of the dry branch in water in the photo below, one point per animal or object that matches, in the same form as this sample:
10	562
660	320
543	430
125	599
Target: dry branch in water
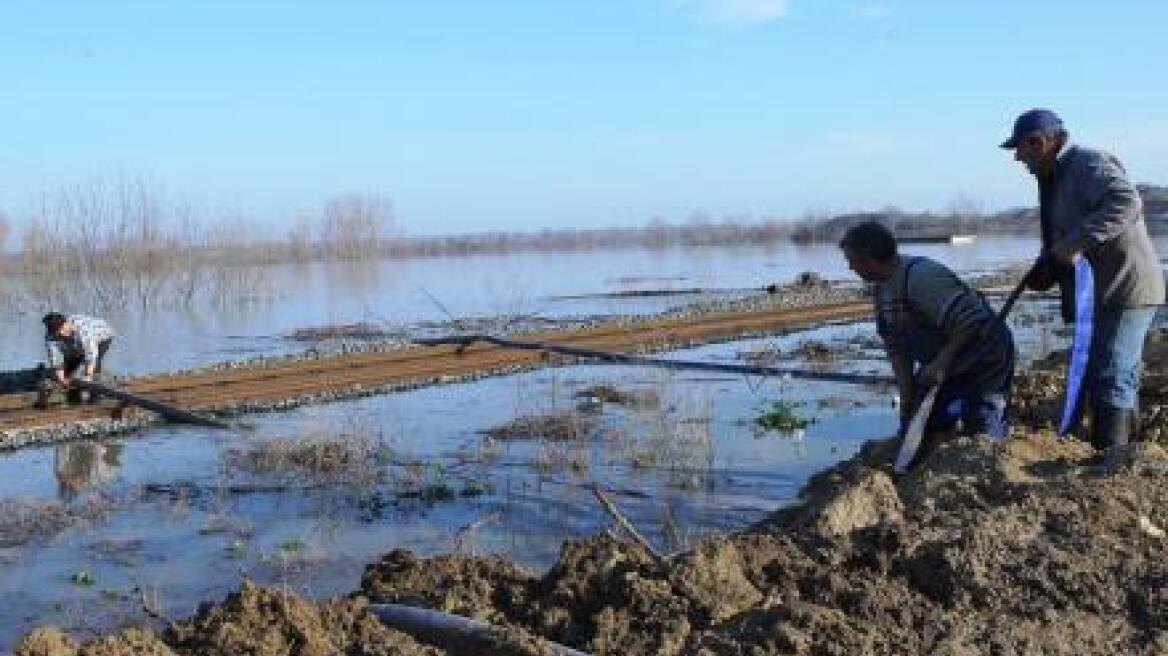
624	523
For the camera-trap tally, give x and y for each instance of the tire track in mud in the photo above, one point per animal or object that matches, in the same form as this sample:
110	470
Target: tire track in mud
244	388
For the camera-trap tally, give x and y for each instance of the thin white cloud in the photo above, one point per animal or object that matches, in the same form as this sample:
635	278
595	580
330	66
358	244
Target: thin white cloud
736	12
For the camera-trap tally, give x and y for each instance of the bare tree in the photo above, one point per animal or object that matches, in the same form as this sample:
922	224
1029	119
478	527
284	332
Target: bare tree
966	212
5	226
301	239
356	225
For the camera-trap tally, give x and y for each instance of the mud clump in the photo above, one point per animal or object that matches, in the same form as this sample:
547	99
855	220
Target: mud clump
52	642
488	588
258	621
612	394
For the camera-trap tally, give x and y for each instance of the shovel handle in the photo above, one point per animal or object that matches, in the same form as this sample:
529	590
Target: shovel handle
1015	294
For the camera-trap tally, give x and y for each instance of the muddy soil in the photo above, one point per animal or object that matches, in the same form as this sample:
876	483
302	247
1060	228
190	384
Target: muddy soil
1024	547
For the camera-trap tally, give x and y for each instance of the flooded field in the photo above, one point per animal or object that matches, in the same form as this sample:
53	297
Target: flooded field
95	535
396	297
176	516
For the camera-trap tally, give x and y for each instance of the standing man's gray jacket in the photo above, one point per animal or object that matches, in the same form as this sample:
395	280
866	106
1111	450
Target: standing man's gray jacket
1093	206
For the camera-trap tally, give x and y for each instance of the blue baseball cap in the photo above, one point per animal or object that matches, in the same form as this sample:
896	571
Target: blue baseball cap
1030	122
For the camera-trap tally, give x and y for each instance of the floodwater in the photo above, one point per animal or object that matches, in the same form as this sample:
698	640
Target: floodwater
171	513
397	295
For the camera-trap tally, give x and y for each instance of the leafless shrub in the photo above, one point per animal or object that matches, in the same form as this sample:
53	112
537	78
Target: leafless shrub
301	239
676	440
816	351
115	243
5	227
23	521
557	455
422	480
556	426
352	457
122	242
354	226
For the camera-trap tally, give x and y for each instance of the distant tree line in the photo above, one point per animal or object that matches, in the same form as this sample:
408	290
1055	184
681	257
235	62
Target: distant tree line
1155	201
131	224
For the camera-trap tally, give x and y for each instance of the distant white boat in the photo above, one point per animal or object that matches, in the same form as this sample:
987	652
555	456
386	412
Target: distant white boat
937	239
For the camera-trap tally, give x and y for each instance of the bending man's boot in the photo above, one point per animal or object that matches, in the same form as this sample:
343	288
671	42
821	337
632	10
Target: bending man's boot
44	392
73	395
1110	426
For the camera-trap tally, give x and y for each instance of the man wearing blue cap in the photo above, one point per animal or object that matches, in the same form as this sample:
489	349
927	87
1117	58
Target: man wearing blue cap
1087	206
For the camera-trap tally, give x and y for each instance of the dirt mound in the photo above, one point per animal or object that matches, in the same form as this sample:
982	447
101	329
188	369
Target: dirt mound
263	622
1012	548
52	642
1038	392
488	588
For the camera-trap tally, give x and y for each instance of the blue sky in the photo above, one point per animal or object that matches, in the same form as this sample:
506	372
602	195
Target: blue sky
481	115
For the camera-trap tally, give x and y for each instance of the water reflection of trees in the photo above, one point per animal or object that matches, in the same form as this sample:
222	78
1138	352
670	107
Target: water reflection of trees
81	465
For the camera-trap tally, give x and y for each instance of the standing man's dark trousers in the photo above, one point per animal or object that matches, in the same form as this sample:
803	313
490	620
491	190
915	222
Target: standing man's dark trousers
71	365
1113	373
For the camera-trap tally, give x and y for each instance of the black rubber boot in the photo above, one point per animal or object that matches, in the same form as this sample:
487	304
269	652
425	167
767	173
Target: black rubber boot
1136	433
44	392
1110	427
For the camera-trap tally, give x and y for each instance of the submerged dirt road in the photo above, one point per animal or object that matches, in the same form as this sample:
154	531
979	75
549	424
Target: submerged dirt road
275	385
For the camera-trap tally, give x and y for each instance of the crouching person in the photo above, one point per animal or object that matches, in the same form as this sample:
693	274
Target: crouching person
76	345
937	330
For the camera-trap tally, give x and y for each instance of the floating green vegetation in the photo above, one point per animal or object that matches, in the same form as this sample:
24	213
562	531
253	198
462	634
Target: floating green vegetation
237	549
83	577
475	488
781	416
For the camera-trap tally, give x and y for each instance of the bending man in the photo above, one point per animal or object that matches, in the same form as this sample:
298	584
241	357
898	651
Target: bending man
76	344
936	330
